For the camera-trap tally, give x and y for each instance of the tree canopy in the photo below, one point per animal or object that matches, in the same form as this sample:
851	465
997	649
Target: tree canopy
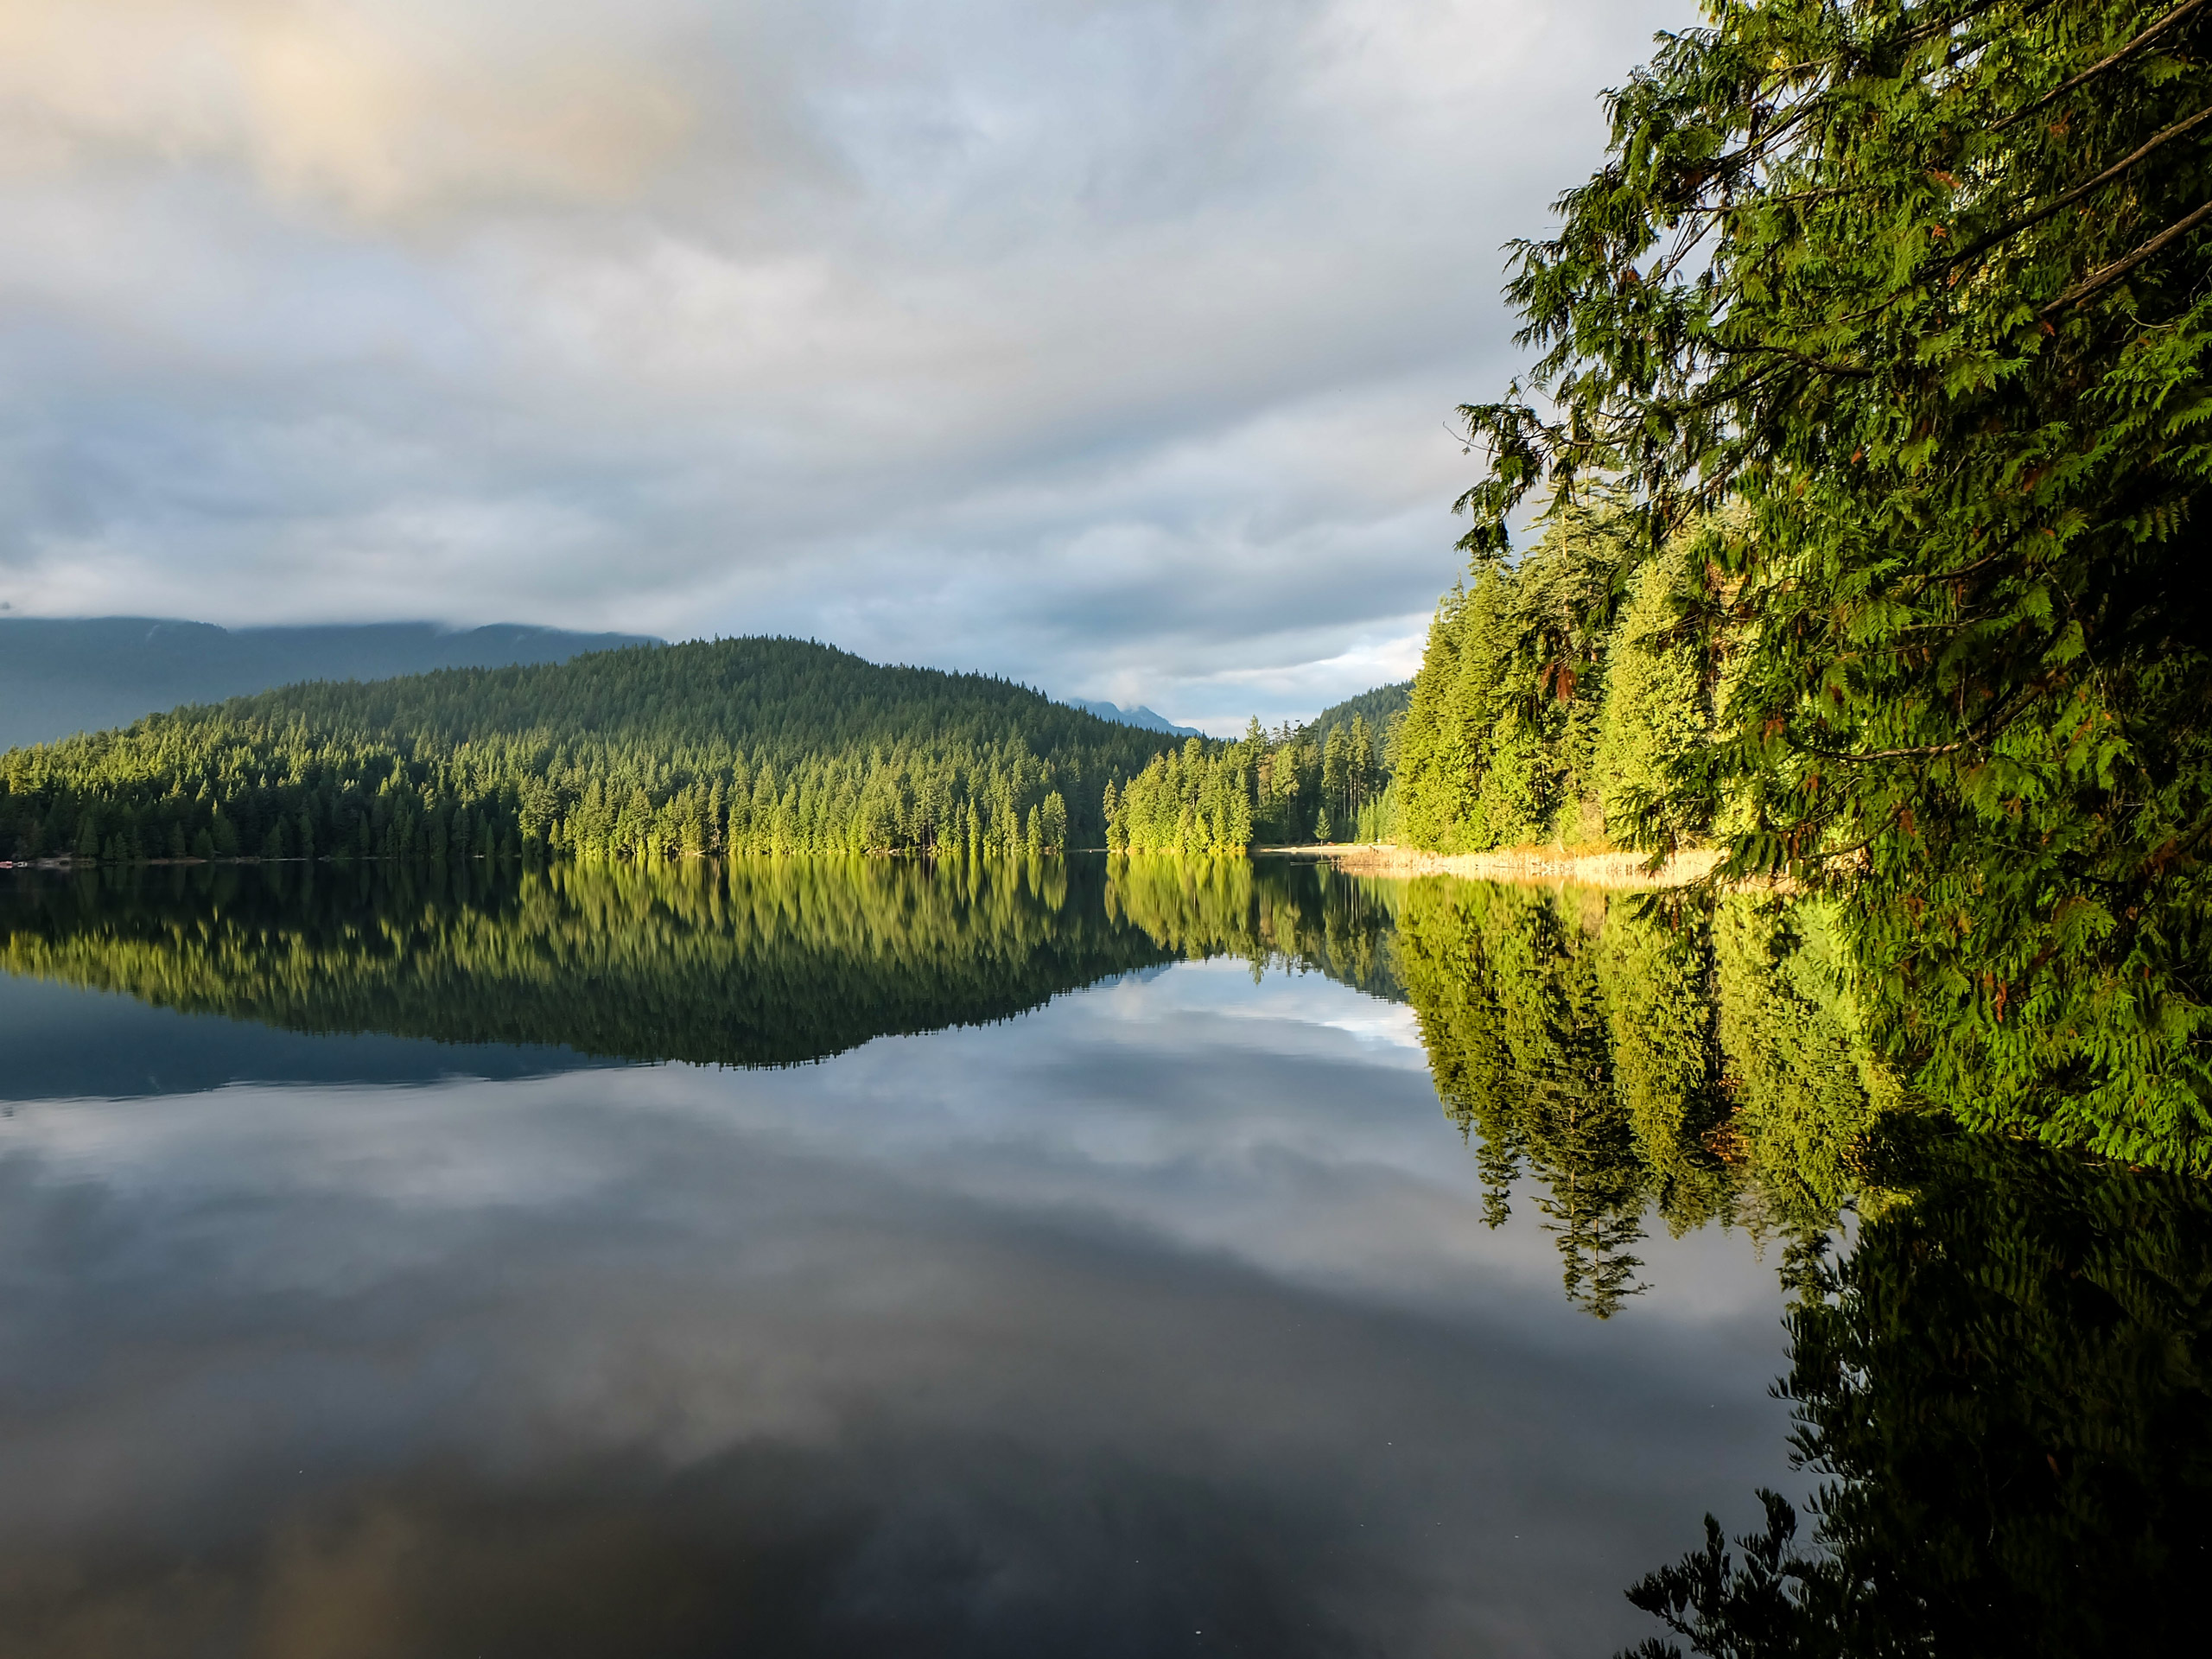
1891	318
723	745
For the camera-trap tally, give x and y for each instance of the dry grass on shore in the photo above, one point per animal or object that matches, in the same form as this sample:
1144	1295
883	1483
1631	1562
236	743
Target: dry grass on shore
1540	864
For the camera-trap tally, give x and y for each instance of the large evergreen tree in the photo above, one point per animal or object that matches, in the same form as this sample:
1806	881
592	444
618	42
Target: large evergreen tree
1922	284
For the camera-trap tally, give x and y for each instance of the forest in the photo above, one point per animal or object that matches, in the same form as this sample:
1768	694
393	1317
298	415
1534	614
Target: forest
658	752
1555	695
1295	786
734	746
1865	435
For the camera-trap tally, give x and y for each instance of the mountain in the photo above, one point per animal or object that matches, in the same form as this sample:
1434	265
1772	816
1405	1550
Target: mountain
1139	716
741	744
79	674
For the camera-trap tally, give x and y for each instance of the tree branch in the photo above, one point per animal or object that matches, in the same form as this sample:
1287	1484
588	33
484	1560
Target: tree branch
2060	204
1820	363
2119	267
2099	67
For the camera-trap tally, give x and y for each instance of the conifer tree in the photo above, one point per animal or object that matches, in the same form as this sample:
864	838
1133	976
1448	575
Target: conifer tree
1920	287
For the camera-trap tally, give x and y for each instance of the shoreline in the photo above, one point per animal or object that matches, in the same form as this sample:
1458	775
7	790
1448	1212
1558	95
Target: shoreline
1546	865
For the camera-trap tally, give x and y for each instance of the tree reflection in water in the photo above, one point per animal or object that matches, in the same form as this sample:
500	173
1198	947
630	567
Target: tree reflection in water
754	962
2002	1381
1704	1065
2005	1387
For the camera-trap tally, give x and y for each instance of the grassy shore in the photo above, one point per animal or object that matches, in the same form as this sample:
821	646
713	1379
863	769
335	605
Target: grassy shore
1604	868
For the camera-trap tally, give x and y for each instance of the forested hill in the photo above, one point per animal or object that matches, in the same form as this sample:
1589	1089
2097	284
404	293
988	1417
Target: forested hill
739	745
1377	708
794	696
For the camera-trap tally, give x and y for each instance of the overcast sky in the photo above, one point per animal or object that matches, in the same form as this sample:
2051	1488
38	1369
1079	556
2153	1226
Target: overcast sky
1107	344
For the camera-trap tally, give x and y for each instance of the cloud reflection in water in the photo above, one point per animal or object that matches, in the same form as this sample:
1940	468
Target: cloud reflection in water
1091	1332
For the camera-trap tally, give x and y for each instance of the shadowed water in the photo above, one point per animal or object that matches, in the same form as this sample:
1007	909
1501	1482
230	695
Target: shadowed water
850	1258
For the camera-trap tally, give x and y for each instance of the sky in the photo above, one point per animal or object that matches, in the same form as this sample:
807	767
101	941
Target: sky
1110	346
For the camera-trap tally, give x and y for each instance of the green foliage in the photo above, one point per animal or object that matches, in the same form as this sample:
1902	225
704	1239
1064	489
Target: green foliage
1380	709
1655	716
2008	1386
1916	290
1516	731
1316	782
1186	802
744	962
1707	1066
731	746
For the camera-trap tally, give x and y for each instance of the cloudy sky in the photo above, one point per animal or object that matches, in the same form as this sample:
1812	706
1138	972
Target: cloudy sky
1107	344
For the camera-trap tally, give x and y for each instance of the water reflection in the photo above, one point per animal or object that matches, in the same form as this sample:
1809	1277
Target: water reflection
760	962
1172	1306
1704	1063
2007	1388
1162	1316
1705	1066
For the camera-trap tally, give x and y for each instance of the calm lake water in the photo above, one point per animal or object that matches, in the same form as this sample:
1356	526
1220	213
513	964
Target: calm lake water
824	1258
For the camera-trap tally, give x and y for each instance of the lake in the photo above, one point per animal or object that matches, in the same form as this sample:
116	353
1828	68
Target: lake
1061	1256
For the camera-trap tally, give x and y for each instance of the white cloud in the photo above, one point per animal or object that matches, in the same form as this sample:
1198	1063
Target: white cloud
381	110
1106	345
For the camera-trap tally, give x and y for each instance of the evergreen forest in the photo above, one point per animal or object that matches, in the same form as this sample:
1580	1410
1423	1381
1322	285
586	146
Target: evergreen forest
734	746
1295	786
1379	710
659	752
1866	438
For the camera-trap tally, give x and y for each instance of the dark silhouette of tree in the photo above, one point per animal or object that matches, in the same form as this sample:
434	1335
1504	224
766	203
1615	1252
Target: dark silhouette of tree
2007	1387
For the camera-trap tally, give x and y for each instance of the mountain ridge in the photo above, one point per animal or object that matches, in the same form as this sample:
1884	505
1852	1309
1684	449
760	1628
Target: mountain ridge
62	676
1142	717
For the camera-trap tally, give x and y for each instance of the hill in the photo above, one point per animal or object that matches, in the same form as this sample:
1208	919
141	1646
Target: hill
737	745
1380	707
60	676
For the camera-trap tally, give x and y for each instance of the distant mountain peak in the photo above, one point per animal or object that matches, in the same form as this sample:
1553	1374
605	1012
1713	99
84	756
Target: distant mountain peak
1139	716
